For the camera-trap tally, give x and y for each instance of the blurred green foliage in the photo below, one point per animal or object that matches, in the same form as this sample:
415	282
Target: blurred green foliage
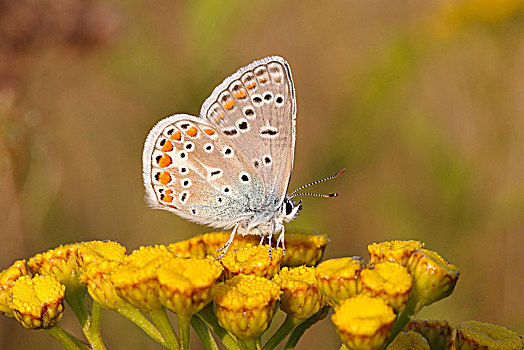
423	103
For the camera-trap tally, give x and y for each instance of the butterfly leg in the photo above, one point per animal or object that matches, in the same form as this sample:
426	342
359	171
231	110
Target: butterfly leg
271	230
261	239
281	240
228	243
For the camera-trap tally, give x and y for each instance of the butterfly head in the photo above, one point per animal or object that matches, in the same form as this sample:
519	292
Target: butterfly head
291	209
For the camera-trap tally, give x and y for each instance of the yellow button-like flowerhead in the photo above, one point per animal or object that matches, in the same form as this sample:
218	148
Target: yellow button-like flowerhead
252	260
136	279
338	278
244	305
7	279
439	333
409	340
37	301
363	322
186	284
433	277
193	247
388	281
99	284
300	295
61	262
304	248
477	335
96	251
216	240
394	251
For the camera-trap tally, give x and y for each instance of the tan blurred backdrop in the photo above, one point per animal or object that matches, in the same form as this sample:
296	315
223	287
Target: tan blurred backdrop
422	102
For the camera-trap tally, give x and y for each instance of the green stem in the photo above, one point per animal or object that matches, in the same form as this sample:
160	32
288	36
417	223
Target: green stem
204	333
300	329
96	317
207	314
251	344
75	299
283	331
134	315
159	318
184	322
64	338
411	308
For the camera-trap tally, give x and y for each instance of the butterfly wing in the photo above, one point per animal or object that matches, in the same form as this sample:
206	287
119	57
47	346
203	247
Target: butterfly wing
255	109
192	169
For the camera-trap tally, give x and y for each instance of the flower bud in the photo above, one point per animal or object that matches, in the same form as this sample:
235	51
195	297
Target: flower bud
409	340
439	333
389	281
99	284
7	278
300	295
338	278
394	251
304	248
37	301
244	305
476	335
251	260
186	284
433	277
363	322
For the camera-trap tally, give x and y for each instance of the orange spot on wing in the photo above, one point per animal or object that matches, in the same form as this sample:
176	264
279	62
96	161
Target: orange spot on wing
241	94
209	131
263	80
168	191
164	161
164	178
177	136
252	85
168	146
168	198
221	115
192	131
229	104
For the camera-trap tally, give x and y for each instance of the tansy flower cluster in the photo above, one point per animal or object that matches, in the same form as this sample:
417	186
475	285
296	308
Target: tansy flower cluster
233	300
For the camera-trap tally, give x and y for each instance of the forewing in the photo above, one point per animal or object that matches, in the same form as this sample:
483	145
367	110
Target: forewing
192	169
255	109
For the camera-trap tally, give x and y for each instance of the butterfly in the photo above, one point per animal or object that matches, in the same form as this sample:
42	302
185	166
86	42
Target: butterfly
229	168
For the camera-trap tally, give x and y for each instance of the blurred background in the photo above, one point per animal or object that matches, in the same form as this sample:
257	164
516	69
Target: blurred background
422	102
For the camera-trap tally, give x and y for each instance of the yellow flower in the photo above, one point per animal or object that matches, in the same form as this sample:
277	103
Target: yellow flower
99	285
388	281
61	262
37	301
193	247
252	260
136	279
439	333
338	278
186	284
244	305
394	251
304	248
97	251
363	322
409	340
300	295
477	335
7	278
216	240
433	277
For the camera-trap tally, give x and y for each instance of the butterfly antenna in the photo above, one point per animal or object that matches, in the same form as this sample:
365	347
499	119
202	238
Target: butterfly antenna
294	193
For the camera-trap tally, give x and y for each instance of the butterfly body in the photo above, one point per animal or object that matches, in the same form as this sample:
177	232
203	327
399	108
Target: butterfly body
229	167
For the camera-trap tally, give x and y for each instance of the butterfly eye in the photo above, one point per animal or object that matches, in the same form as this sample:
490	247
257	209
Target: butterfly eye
289	208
